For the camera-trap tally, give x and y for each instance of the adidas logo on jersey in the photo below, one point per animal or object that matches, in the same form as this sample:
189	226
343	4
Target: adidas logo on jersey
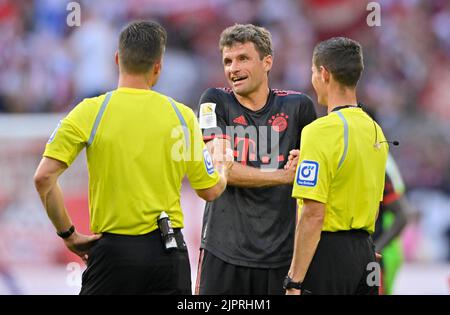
240	120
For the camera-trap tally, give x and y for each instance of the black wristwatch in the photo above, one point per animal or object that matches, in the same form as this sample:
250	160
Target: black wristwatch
67	233
289	284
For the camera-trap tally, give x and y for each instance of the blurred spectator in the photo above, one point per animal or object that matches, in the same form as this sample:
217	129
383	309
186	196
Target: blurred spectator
92	46
46	66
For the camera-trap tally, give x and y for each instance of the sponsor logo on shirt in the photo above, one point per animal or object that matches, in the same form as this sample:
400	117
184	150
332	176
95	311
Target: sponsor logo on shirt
208	162
240	120
307	173
52	136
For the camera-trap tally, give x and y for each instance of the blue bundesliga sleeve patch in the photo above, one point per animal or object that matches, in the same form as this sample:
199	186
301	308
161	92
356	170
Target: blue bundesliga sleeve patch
52	136
208	162
307	173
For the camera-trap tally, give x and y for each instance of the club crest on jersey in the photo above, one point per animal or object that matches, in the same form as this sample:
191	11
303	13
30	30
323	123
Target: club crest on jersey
208	162
307	173
279	122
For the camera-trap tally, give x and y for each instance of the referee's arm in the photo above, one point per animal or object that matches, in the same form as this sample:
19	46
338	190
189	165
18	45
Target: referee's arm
307	237
222	157
212	193
46	182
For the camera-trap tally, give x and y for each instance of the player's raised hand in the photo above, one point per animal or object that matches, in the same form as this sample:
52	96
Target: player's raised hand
292	159
291	166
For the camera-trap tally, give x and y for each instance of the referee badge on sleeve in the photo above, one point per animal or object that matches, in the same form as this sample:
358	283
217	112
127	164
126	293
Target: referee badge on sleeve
307	173
208	162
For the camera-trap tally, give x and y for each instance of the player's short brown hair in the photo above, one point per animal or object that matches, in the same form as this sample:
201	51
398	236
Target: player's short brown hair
141	44
342	57
240	33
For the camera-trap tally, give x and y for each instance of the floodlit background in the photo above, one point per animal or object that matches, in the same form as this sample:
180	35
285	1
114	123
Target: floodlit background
47	67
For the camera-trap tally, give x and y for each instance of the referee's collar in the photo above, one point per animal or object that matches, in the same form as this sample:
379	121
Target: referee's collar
346	106
133	90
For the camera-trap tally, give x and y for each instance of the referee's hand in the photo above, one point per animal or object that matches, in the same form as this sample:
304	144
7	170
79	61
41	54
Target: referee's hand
222	155
80	244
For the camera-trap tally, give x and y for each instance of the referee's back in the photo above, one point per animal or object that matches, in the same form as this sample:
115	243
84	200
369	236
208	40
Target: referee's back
139	145
136	158
348	185
339	182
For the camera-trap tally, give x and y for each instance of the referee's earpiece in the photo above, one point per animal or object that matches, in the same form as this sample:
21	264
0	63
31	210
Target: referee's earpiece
377	145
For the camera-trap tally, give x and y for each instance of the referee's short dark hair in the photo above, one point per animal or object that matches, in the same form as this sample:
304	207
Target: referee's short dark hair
342	57
243	33
141	45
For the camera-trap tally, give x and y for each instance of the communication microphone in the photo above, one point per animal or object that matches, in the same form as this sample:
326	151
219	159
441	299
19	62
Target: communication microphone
377	145
393	142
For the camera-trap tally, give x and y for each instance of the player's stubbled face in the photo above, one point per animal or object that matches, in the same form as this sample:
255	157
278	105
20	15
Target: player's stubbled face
244	69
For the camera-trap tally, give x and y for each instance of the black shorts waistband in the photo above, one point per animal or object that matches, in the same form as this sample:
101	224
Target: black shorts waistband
151	234
355	233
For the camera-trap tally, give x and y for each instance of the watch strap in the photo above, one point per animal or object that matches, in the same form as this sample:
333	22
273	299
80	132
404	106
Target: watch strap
67	233
288	283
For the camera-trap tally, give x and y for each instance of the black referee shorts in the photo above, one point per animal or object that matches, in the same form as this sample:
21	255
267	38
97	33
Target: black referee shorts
341	265
121	264
217	277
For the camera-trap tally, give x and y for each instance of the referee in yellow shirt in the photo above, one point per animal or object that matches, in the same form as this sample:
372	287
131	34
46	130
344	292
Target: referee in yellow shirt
339	182
139	146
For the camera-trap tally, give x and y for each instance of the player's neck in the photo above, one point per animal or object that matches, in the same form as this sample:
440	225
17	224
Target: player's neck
135	81
256	100
341	97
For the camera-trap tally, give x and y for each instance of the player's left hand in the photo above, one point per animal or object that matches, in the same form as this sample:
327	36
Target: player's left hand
293	292
378	257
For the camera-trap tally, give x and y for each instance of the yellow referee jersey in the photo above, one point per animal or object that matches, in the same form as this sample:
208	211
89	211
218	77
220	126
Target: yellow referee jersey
341	166
139	145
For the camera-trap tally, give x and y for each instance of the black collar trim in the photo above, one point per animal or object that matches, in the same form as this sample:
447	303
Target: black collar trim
346	106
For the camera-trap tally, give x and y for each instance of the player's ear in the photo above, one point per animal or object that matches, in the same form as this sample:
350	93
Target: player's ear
324	74
116	57
157	67
267	63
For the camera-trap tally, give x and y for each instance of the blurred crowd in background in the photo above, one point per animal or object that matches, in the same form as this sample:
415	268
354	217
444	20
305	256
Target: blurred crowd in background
47	67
